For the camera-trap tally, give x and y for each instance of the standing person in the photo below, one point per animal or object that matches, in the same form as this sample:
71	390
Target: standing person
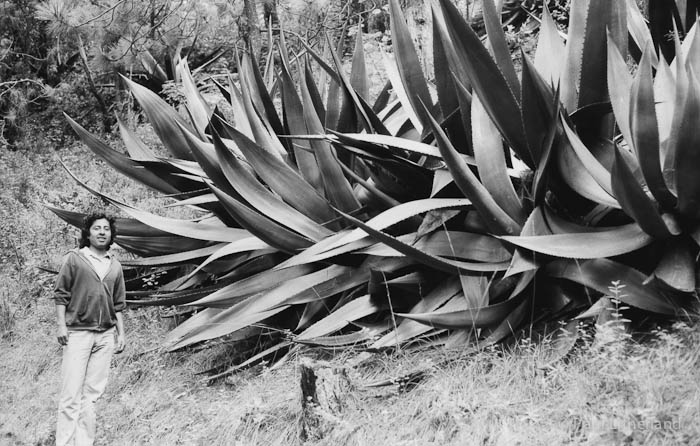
90	297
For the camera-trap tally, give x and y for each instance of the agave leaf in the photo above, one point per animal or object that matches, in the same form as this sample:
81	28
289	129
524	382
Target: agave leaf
447	102
584	69
376	123
588	245
390	141
283	52
349	279
180	297
184	167
634	200
313	311
178	258
263	137
439	263
294	288
281	178
201	317
348	118
491	162
679	104
550	46
250	75
677	266
263	200
538	105
125	226
408	329
456	66
188	229
386	200
350	92
452	244
691	46
537	223
335	99
599	173
574	173
645	132
599	273
539	182
464	98
441	179
194	201
340	318
221	324
120	162
151	65
138	151
163	118
619	86
489	210
205	155
337	187
254	309
410	280
394	76
315	94
156	246
355	338
200	231
638	29
498	45
358	72
499	100
475	289
262	227
309	254
434	220
508	326
664	93
197	106
687	156
400	213
383	98
243	245
294	116
479	317
409	69
255	284
240	118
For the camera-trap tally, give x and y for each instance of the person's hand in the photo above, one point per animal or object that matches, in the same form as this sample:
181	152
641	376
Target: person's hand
121	343
62	335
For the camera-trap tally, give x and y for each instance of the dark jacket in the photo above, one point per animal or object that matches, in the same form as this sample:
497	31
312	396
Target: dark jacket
91	303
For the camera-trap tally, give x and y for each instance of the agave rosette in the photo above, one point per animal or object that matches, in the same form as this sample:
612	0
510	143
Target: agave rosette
341	223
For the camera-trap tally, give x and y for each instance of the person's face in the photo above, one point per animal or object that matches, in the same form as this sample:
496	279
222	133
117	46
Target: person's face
100	234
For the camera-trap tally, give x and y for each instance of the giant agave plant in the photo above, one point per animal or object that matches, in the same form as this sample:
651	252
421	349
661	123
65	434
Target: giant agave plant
508	201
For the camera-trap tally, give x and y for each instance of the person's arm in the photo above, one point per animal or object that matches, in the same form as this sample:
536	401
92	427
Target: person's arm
61	296
61	329
119	306
121	337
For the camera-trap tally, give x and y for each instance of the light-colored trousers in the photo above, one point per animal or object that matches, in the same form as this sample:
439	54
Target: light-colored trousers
84	373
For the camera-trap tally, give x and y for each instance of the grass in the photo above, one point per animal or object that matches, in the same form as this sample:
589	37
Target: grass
603	393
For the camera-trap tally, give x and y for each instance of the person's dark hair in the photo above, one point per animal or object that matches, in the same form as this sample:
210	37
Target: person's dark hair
89	220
